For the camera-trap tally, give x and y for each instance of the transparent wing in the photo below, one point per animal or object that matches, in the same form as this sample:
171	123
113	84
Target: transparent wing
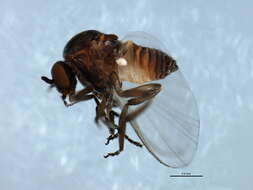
145	39
169	128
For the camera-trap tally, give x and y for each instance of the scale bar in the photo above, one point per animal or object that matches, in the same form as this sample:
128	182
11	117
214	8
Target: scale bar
186	175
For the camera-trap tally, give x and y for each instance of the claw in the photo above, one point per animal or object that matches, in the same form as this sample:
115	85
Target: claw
111	137
112	154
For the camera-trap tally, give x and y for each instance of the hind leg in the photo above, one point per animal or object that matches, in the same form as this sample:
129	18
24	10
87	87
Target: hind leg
138	95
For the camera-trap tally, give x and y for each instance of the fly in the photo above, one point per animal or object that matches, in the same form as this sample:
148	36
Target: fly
103	64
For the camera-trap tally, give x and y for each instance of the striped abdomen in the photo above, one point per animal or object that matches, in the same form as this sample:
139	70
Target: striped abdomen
144	64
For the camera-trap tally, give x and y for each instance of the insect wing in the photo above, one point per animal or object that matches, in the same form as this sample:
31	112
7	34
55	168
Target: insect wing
169	128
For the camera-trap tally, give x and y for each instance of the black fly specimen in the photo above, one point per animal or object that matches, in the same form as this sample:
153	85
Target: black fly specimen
102	63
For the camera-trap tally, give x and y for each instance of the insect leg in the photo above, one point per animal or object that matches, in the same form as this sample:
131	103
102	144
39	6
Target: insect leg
130	117
82	95
63	97
133	142
111	137
123	120
109	122
107	113
145	90
100	109
140	94
150	92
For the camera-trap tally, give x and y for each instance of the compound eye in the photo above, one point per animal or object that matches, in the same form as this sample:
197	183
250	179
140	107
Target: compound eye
61	74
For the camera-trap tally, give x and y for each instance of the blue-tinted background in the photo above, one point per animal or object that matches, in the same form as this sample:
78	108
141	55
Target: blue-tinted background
44	145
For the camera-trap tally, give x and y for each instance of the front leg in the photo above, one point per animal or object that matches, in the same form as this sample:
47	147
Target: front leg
84	95
140	95
80	96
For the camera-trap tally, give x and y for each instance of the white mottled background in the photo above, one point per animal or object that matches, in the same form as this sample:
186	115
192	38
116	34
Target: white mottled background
44	145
